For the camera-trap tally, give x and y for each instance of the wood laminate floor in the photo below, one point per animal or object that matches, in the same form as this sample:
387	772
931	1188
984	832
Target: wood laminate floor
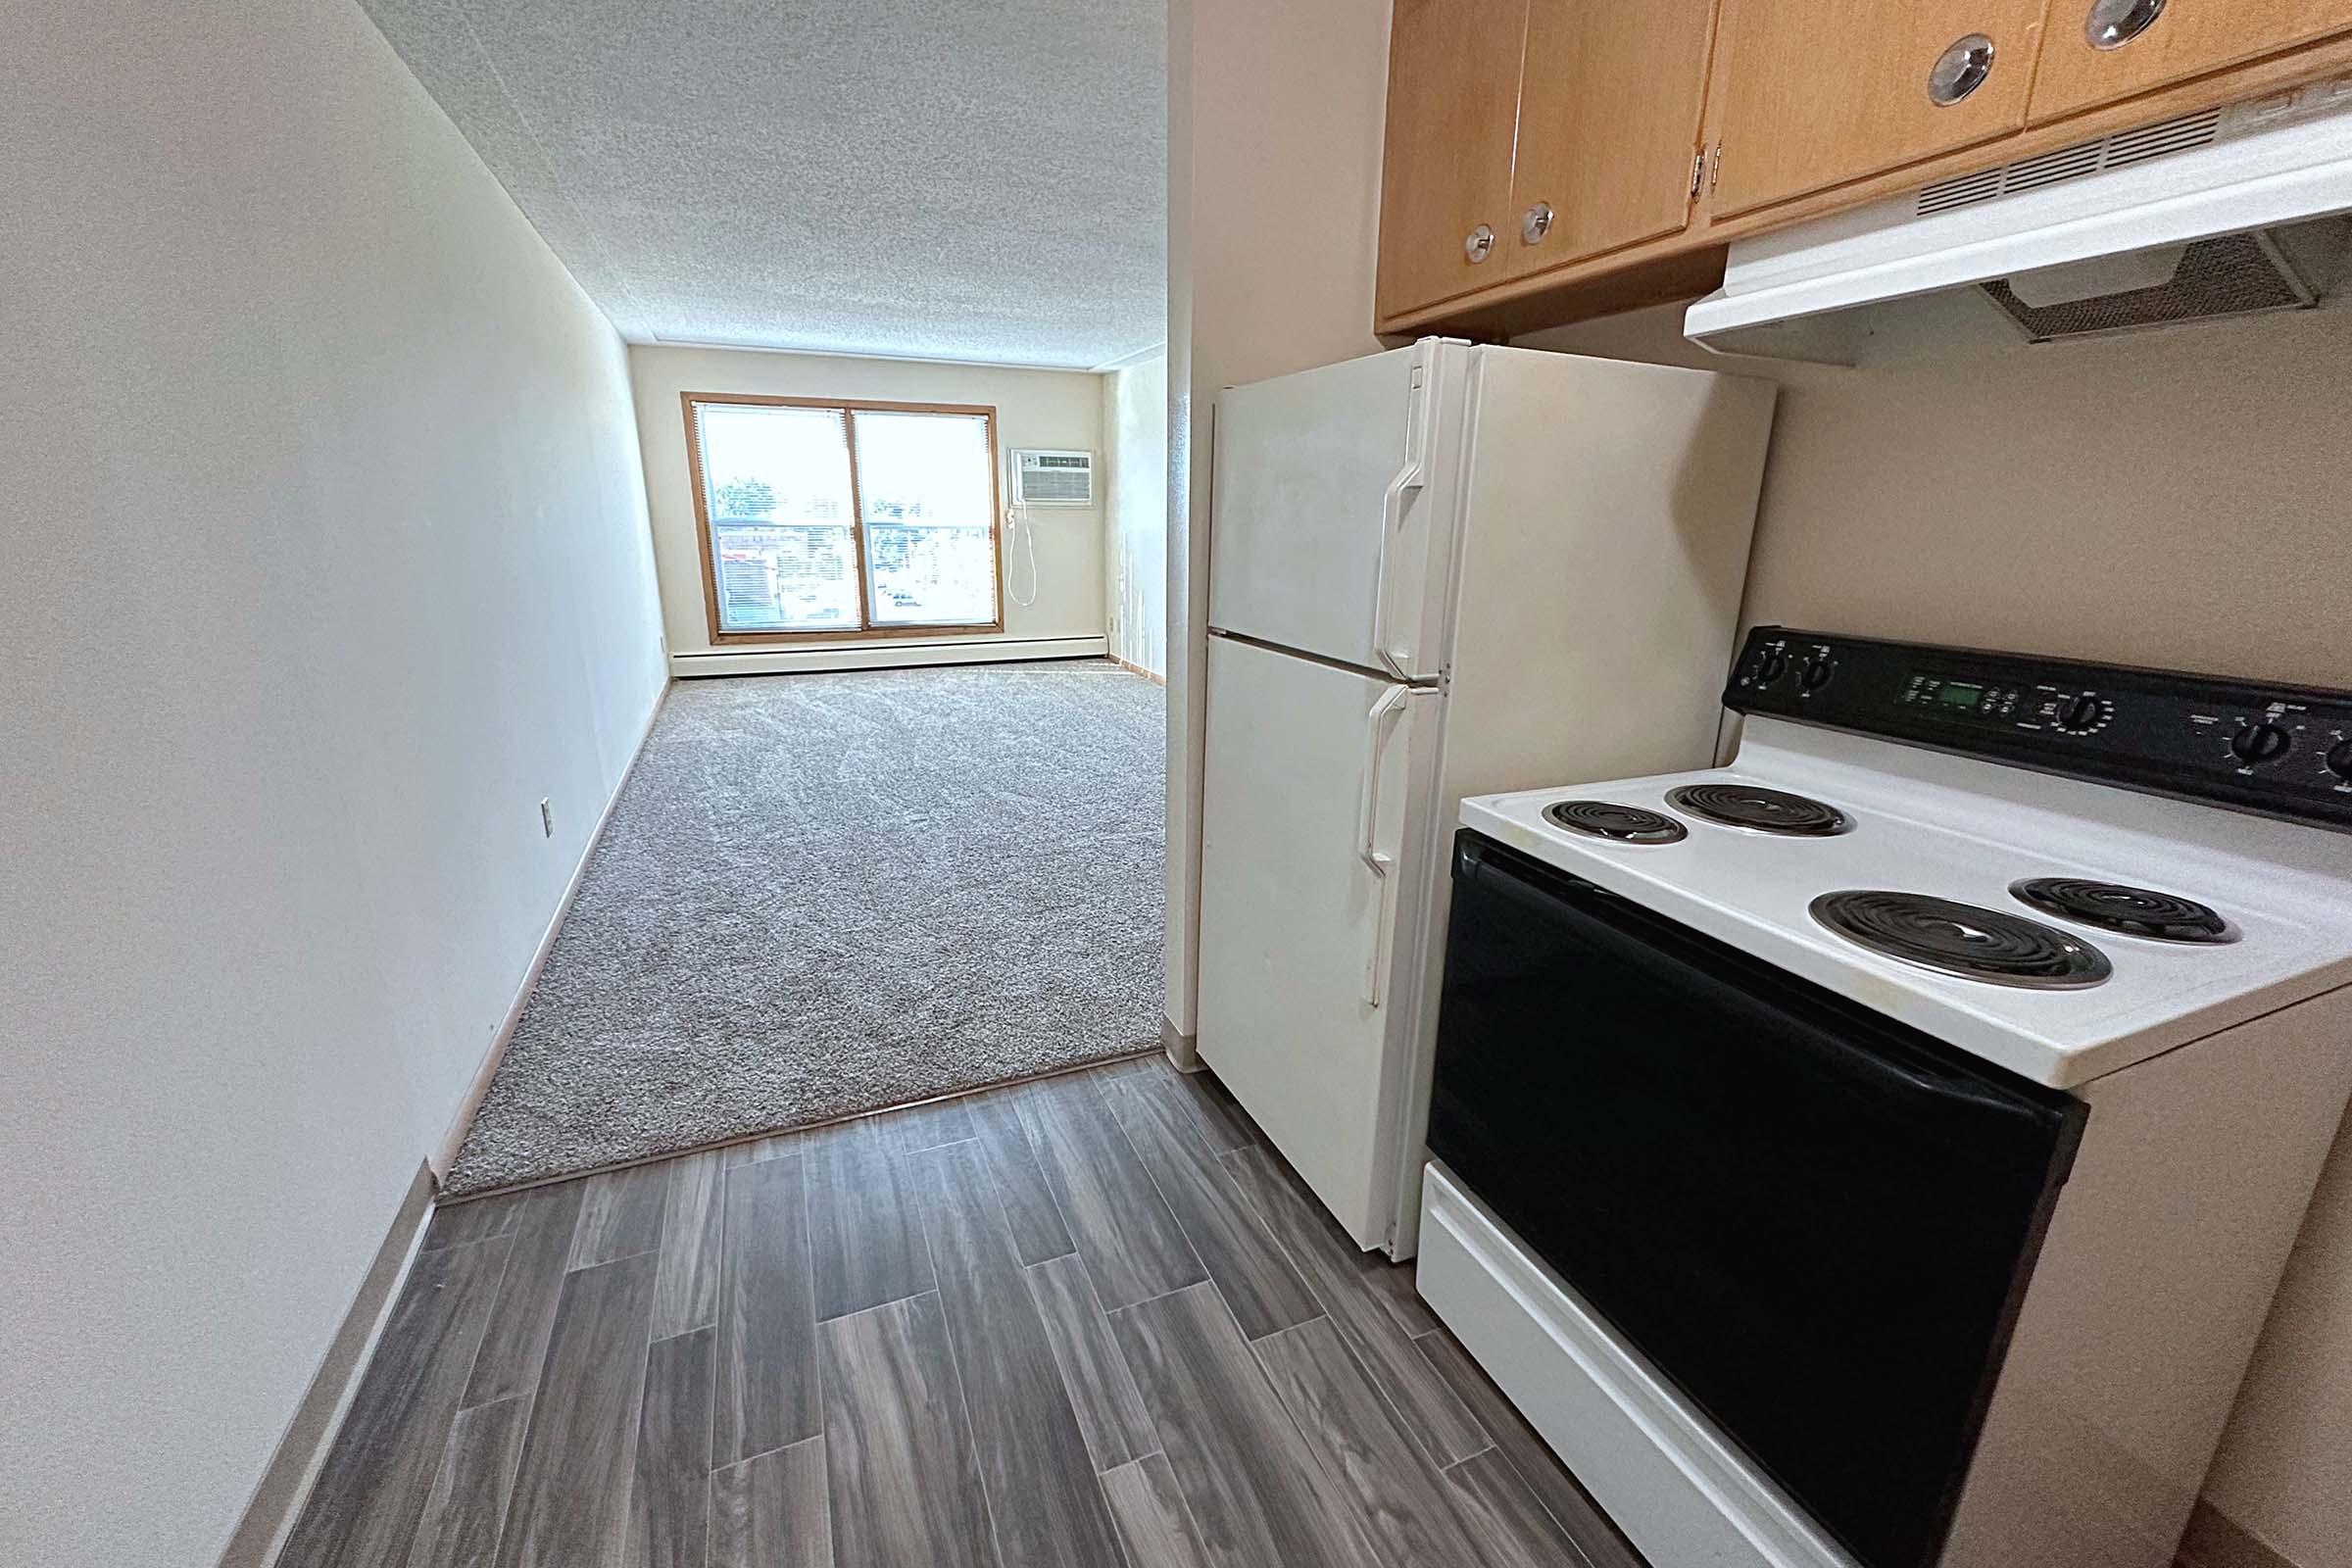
1093	1322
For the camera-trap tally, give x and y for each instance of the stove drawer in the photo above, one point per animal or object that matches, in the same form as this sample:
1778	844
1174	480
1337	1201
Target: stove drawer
1652	1460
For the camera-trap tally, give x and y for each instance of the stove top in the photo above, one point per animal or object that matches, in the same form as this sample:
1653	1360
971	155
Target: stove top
2013	914
1759	809
2135	912
1961	939
1605	819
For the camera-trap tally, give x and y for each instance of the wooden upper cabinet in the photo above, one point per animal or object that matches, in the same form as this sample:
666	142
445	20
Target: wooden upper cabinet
2146	44
1565	131
1812	94
1609	101
1453	99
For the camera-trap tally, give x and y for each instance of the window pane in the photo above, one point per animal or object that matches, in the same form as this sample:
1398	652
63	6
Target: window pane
777	489
930	517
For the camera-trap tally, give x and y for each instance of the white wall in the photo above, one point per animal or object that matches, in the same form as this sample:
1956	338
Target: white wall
2179	498
325	559
1034	408
1274	145
1135	531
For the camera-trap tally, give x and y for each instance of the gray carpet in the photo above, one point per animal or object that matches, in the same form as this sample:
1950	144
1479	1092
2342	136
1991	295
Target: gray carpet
827	894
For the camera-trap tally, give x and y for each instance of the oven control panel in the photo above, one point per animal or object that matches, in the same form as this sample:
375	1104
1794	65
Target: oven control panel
2282	749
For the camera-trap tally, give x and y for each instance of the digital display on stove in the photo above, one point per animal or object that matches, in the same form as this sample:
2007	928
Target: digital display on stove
1958	694
2283	750
1947	698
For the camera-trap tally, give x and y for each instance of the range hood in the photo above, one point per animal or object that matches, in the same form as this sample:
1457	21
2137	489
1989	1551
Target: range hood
2222	213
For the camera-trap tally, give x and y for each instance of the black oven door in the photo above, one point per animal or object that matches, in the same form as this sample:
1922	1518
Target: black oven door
1816	1221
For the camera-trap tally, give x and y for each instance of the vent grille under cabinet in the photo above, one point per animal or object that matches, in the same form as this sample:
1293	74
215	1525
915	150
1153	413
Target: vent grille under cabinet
2122	148
2233	275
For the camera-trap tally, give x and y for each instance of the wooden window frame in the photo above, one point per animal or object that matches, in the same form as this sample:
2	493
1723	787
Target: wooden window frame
869	632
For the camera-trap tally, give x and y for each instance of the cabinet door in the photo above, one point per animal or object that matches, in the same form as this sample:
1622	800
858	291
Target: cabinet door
1454	96
1816	93
1609	100
2102	51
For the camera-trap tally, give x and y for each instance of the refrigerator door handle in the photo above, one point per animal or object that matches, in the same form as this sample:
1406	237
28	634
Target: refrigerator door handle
1378	725
1391	521
1368	798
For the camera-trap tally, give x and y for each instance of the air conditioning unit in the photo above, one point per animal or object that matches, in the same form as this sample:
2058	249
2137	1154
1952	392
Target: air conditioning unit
1052	479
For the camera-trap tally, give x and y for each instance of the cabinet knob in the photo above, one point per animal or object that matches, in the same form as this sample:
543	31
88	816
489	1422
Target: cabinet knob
1960	70
1479	242
2113	23
1534	223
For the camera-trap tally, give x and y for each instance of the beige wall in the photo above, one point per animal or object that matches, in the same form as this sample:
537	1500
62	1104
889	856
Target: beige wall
1034	408
1274	133
2179	498
325	559
2176	497
1134	432
2170	497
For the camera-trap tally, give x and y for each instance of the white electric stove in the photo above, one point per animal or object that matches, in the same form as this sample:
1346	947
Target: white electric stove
1882	1150
1968	831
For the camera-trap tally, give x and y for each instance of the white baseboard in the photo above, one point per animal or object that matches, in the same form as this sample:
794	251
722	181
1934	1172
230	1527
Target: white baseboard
285	1485
1183	1049
451	1141
897	654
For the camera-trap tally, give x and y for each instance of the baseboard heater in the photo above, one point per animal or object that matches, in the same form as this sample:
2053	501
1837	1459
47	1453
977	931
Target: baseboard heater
893	654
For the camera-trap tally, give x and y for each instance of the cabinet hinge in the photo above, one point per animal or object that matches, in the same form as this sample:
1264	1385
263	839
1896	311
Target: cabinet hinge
1715	169
1698	170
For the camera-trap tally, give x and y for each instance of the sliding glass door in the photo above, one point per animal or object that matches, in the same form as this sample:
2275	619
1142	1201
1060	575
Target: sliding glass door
842	518
779	514
929	493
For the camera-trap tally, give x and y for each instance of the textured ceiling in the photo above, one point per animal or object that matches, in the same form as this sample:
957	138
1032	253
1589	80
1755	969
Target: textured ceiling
938	178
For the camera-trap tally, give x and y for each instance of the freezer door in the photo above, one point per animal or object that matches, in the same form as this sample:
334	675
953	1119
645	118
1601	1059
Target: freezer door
1315	777
1333	508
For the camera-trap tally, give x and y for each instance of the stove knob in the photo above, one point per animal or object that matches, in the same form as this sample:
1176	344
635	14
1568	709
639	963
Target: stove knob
1814	673
1770	665
2260	742
2339	759
2083	714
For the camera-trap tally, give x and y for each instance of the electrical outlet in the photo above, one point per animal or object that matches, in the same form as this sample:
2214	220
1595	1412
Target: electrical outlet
547	819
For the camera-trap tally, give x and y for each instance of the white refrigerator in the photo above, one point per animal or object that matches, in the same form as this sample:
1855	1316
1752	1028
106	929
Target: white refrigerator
1438	571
